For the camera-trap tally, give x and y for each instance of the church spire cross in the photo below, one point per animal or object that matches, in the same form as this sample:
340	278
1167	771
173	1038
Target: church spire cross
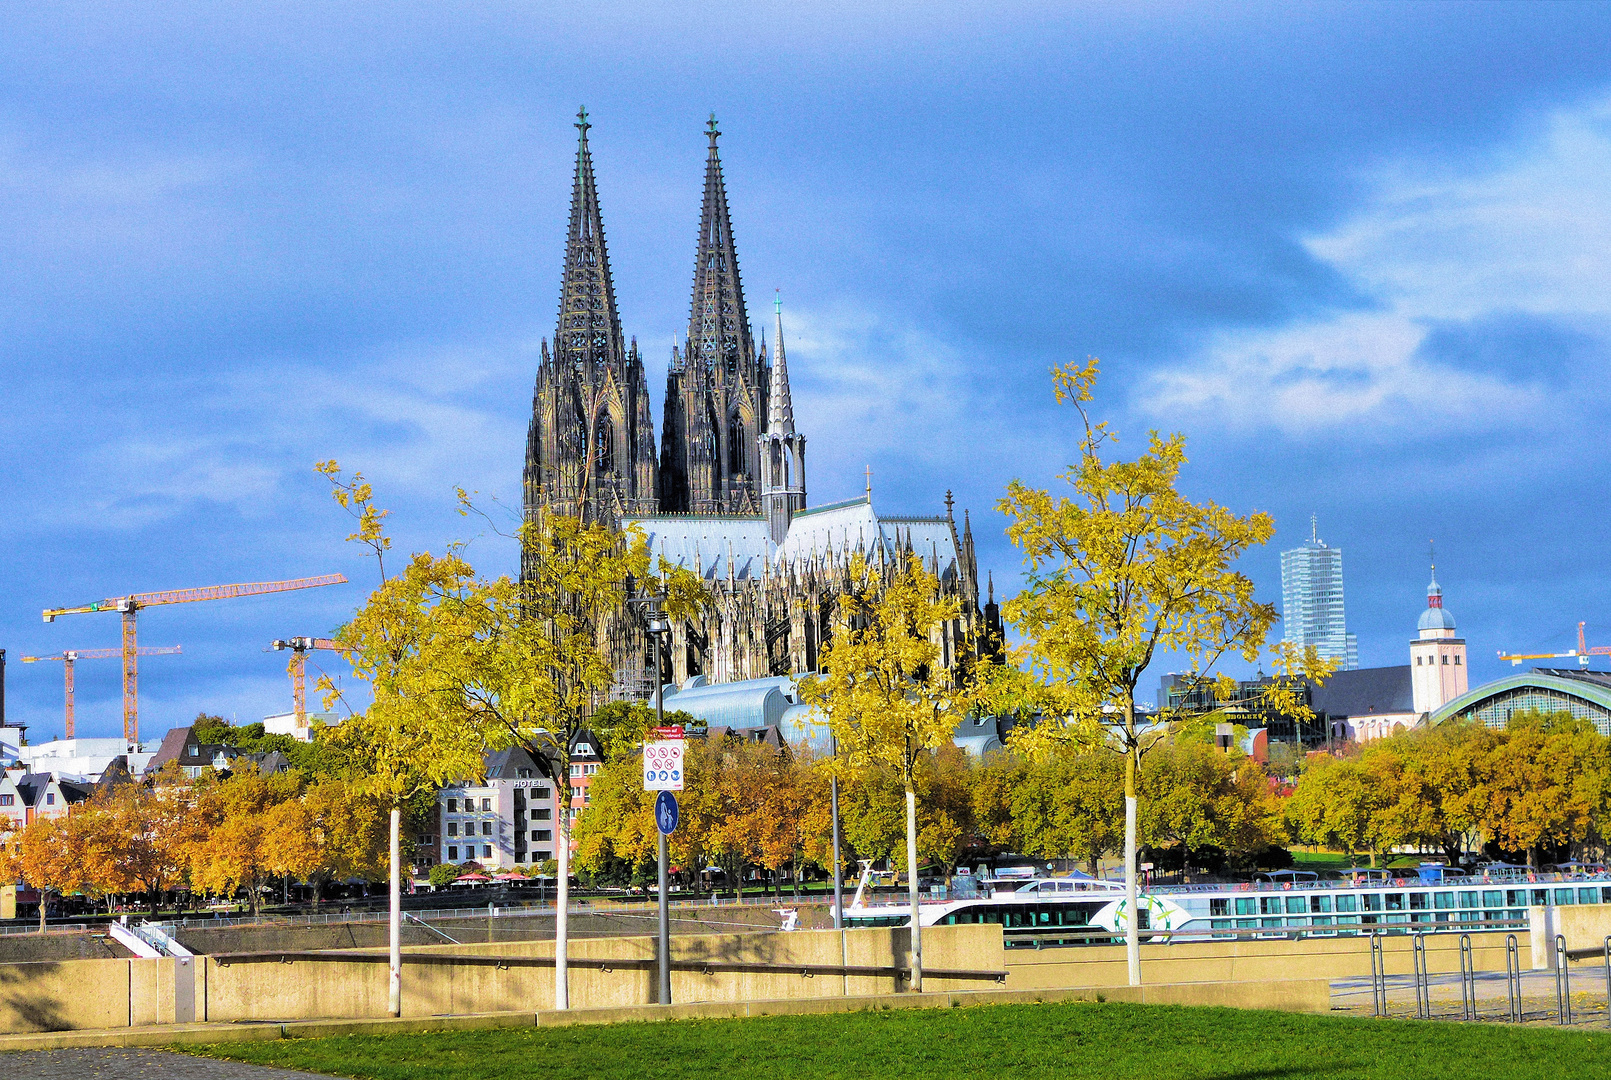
712	132
581	121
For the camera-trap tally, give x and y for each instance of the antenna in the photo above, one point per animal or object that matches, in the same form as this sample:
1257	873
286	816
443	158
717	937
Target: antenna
1314	529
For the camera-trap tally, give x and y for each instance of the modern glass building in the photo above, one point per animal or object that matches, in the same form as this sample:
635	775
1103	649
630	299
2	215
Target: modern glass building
1312	601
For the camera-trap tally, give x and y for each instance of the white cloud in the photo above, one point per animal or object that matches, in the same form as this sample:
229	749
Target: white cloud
1527	230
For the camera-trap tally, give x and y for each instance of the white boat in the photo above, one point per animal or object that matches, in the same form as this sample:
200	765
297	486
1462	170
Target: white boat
1032	911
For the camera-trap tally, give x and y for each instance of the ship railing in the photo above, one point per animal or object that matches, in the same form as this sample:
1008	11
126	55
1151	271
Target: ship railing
1191	932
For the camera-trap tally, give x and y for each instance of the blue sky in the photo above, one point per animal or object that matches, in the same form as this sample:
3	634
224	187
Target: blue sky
1360	254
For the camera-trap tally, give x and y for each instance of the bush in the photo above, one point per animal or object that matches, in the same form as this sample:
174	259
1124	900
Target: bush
444	873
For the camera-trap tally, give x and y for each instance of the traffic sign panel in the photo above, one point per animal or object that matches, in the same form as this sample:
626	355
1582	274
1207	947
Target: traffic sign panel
662	765
665	812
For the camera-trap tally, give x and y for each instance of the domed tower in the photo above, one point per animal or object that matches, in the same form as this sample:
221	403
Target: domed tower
1437	655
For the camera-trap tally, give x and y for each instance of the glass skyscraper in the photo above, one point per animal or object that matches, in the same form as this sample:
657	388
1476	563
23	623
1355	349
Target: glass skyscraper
1312	600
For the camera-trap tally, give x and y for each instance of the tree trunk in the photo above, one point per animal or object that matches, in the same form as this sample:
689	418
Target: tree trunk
394	979
911	878
42	895
562	993
1132	935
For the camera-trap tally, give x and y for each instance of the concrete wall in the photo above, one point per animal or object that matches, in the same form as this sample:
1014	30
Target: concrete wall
1248	961
73	994
304	989
1585	929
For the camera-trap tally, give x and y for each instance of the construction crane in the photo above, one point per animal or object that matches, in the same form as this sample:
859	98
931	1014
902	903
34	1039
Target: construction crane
298	667
73	656
1582	653
129	606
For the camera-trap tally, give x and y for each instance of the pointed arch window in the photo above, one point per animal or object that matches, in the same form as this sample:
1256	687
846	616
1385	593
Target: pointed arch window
605	437
735	446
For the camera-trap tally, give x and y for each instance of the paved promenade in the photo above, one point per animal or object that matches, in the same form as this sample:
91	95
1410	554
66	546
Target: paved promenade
133	1064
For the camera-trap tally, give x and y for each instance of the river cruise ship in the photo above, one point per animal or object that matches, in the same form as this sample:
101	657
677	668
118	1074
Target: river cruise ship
1036	911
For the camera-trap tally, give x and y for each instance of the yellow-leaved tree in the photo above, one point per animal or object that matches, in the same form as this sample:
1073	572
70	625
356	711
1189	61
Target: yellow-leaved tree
887	696
411	644
539	664
1121	568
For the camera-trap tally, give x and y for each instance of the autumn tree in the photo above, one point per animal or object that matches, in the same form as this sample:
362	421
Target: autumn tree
46	854
1121	569
887	696
409	644
236	850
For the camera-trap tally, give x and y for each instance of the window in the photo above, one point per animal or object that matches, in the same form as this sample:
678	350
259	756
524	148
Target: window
453	854
543	836
1563	896
1457	661
1445	661
1417	901
1417	661
542	856
486	851
1395	901
520	856
50	799
453	806
1219	906
1245	905
1347	903
539	793
542	813
1373	901
192	750
427	838
1468	899
1443	901
486	804
1297	905
576	769
7	800
1319	904
1269	905
453	828
486	828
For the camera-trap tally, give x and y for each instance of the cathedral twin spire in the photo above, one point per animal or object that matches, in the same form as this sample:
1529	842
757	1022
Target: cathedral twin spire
591	448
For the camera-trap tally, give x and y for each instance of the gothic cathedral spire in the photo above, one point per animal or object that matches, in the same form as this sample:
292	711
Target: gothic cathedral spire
590	447
782	450
716	388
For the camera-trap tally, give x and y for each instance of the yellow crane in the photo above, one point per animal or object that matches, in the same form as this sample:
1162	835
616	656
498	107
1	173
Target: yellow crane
129	606
71	657
298	667
1581	653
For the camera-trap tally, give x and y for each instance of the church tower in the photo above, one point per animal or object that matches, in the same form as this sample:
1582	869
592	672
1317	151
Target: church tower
590	447
1437	656
716	386
782	451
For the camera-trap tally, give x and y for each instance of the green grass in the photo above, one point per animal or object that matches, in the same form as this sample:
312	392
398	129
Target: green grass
989	1042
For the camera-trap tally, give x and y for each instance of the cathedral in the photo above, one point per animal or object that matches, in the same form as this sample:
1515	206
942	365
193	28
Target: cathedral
726	494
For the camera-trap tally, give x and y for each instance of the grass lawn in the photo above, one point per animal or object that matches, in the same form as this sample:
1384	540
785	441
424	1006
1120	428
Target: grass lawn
989	1042
1326	860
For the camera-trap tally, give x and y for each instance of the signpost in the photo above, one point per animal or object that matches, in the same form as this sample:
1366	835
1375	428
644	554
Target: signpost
662	772
662	761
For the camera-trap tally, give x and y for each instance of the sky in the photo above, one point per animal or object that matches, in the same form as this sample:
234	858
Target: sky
1359	254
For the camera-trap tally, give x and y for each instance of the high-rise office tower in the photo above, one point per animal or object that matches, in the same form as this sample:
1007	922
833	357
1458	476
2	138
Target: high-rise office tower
1312	600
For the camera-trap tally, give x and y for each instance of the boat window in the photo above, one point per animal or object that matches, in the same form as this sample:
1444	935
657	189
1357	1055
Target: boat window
1320	903
1245	905
1418	901
1605	895
1468	898
1492	898
1516	897
1443	901
1540	896
1373	901
1297	922
1219	906
1347	902
1395	901
1297	905
1587	896
1269	905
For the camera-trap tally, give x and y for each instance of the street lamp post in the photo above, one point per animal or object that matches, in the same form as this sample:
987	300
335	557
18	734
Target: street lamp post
657	626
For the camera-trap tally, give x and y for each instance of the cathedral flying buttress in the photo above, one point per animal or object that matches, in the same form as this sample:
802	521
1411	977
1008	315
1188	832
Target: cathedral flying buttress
726	496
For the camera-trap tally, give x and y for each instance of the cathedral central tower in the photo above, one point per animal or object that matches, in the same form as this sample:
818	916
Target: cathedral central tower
716	387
